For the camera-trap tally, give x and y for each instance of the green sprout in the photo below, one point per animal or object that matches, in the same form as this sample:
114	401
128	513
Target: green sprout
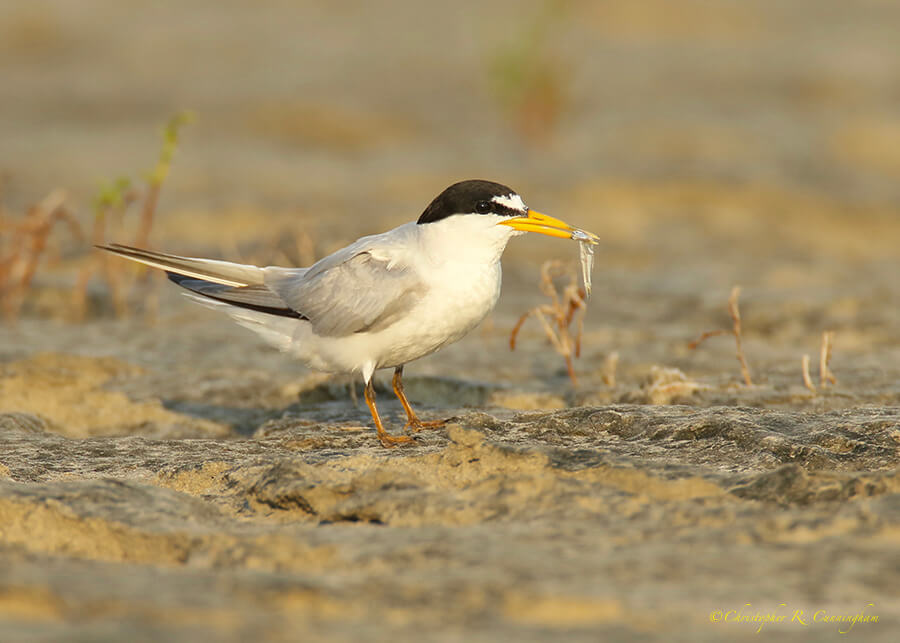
170	131
111	203
526	77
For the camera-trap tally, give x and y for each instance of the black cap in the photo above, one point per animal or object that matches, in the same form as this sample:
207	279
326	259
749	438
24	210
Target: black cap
465	197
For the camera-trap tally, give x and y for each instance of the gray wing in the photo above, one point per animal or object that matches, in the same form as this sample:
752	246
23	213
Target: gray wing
364	287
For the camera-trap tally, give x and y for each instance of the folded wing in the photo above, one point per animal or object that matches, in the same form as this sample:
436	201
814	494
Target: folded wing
362	293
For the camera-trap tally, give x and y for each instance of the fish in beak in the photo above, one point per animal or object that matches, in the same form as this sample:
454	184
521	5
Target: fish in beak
537	222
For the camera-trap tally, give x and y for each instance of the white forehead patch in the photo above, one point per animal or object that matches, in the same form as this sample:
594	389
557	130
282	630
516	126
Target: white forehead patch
512	201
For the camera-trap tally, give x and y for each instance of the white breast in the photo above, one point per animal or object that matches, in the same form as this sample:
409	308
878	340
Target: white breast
459	260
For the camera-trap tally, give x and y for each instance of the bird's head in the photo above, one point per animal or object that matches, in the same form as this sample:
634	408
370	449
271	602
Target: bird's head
499	202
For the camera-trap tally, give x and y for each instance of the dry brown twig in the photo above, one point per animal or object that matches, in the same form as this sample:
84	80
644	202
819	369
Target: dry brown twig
556	317
28	239
826	377
609	369
804	369
23	242
735	313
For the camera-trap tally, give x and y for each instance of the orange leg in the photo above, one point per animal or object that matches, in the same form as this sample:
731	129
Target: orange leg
413	422
386	439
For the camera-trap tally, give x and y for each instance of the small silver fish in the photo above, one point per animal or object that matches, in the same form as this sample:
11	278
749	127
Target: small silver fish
586	242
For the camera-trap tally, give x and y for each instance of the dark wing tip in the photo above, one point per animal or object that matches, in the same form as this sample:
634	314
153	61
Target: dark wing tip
229	295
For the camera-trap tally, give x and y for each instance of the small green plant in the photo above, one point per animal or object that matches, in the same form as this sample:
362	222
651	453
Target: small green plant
111	205
157	176
527	78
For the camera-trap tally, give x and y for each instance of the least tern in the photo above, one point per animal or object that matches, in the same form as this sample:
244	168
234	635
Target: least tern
383	301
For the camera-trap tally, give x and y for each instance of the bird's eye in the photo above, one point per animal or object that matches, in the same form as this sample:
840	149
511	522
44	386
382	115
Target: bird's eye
483	207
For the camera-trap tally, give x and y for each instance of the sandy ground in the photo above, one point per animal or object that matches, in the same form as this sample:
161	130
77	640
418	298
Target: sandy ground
165	476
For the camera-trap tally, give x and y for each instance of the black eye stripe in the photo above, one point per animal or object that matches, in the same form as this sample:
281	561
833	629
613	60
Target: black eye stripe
505	211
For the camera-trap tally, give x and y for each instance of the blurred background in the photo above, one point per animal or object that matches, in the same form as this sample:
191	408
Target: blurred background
340	110
709	142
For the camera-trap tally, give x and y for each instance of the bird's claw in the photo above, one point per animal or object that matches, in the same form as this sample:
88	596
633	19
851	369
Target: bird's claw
416	425
391	441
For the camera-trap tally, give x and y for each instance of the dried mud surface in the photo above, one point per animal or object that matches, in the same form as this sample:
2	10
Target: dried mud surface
207	501
165	476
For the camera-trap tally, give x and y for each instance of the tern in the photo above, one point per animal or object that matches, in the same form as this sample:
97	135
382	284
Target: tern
384	300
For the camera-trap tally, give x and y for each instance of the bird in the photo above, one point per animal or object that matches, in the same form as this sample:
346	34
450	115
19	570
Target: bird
382	301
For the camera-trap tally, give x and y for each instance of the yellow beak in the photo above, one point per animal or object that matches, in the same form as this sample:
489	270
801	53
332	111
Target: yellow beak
537	222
